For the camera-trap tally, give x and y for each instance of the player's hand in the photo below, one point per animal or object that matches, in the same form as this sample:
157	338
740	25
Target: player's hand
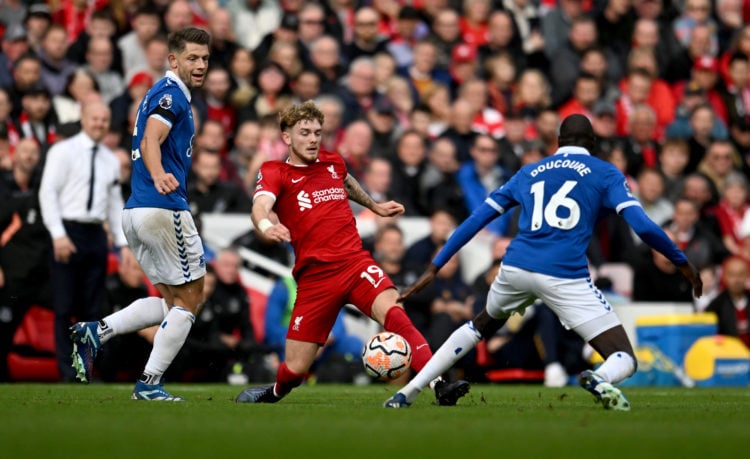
277	233
63	248
691	273
166	183
388	209
424	280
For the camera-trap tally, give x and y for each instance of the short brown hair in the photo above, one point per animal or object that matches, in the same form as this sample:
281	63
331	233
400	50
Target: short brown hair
296	113
178	39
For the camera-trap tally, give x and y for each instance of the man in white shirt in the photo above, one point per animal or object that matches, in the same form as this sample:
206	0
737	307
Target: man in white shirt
80	190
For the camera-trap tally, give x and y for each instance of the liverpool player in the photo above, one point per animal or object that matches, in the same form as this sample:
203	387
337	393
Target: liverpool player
304	200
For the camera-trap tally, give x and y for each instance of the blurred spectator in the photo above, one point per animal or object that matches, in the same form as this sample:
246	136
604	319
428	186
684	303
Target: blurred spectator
605	127
99	59
408	31
500	73
463	66
482	175
385	70
245	153
586	92
566	61
532	93
502	38
241	69
556	25
737	88
740	43
325	55
24	258
673	159
660	95
695	13
27	72
37	118
646	36
14	45
207	193
487	120
439	187
719	163
693	98
527	19
215	101
100	26
639	144
657	279
355	148
419	254
437	100
686	57
146	23
546	126
473	22
445	34
223	44
56	67
399	96
408	167
333	130
701	190
312	22
287	55
705	74
731	211
357	92
376	181
273	96
730	306
366	40
422	71
740	137
156	53
701	245
650	193
385	128
178	15
253	19
285	32
80	88
38	19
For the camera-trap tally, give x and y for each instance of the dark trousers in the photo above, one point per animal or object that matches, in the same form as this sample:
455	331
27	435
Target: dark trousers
78	288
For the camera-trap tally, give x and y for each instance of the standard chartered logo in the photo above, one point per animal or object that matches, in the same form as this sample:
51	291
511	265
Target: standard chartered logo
303	200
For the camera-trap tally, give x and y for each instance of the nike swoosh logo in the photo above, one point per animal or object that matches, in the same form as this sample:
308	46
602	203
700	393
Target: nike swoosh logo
421	346
297	180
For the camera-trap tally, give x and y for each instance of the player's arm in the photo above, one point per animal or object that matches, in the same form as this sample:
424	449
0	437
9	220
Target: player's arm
357	194
655	237
265	220
154	136
478	219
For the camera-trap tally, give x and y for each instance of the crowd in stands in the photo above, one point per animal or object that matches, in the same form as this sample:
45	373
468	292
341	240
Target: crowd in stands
433	103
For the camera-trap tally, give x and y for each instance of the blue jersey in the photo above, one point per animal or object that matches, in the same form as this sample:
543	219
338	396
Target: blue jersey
169	101
561	198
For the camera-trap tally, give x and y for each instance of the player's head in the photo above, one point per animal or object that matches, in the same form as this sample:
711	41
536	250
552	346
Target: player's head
188	55
301	129
576	131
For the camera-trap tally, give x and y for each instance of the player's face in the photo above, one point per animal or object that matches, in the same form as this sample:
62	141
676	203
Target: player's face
191	64
303	140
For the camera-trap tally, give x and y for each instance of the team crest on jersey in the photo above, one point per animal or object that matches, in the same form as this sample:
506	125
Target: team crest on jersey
333	172
166	101
297	322
627	188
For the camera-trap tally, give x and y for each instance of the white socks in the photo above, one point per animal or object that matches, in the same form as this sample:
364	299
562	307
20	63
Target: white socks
140	314
461	341
168	341
618	366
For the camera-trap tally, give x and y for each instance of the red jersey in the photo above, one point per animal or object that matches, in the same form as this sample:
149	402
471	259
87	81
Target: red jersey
312	202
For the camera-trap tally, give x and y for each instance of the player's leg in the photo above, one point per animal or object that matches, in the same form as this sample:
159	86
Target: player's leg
502	299
582	308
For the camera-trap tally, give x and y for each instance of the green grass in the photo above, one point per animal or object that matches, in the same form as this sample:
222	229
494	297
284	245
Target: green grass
493	421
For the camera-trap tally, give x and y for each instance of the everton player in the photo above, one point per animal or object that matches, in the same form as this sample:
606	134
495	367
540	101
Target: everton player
304	200
561	198
157	221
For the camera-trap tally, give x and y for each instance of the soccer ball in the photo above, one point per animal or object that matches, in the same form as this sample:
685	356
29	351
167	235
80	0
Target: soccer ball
386	356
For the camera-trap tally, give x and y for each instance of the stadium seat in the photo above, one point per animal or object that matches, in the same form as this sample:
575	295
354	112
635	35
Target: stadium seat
505	375
33	355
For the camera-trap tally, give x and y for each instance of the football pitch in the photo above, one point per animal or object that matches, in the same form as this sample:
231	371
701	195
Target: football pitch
336	421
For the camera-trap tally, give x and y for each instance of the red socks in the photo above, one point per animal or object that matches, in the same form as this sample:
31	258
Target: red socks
286	380
397	321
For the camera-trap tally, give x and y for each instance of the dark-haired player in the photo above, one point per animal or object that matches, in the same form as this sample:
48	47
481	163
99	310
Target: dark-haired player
561	198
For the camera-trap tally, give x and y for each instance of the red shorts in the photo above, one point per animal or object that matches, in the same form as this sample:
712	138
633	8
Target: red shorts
323	289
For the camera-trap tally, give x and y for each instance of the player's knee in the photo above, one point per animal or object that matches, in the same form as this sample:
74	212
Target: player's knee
486	325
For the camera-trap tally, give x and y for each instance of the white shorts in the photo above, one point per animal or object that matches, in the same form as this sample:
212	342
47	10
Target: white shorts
578	304
166	244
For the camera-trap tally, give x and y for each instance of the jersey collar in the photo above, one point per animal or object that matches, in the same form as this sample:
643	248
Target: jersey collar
570	150
172	76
